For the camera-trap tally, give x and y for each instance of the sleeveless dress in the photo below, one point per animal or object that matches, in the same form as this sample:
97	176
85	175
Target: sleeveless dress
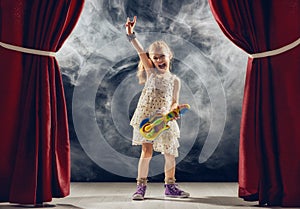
157	95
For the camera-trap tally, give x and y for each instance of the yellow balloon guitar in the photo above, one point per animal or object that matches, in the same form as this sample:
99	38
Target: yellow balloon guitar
152	127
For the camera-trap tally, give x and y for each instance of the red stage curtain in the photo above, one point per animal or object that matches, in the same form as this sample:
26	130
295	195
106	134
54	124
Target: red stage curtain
35	148
269	160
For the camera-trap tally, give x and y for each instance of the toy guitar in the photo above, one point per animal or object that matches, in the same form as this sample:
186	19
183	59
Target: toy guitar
152	127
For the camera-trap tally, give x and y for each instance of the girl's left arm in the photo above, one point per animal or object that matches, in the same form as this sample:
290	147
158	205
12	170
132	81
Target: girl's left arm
176	91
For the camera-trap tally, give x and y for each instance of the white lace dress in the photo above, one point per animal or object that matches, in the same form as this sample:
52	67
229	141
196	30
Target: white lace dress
157	94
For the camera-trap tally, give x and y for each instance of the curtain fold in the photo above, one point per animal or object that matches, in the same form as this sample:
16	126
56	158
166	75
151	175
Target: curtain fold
35	147
269	163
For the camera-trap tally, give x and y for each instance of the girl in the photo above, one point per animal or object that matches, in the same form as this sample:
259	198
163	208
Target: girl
160	93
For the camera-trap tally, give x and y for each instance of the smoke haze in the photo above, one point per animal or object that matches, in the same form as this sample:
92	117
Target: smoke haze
99	66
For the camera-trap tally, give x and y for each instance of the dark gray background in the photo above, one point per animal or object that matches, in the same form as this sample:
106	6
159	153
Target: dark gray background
97	54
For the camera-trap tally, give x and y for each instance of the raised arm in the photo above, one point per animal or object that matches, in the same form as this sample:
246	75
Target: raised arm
136	44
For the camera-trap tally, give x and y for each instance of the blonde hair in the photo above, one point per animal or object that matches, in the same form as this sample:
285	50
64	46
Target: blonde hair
141	73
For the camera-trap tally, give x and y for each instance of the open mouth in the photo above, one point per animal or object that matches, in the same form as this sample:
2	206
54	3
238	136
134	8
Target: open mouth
162	66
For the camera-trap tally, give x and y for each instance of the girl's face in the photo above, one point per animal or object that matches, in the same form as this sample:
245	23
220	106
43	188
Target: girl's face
161	59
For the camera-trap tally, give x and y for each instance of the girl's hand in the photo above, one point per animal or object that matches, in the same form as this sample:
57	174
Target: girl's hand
130	25
174	107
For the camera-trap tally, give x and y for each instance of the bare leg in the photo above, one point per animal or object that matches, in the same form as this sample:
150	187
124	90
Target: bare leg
169	167
143	169
172	189
146	155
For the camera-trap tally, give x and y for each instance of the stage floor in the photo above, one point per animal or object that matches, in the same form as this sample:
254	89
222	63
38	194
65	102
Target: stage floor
118	196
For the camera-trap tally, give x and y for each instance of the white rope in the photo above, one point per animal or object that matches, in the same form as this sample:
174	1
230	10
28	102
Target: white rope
27	50
276	51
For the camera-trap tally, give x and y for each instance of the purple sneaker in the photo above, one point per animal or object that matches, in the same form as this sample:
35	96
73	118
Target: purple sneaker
172	190
140	192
